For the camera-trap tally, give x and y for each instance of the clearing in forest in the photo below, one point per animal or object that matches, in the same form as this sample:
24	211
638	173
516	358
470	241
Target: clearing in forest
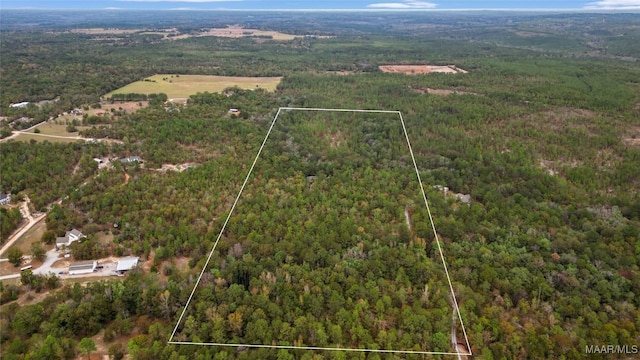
234	31
239	31
421	69
329	246
183	86
443	92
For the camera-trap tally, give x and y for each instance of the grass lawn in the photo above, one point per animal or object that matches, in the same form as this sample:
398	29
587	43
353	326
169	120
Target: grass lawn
28	137
183	86
33	235
48	128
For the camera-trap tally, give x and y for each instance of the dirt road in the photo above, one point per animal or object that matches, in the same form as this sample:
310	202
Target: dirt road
31	221
406	217
17	133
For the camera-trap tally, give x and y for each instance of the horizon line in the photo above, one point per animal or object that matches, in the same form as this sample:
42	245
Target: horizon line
588	10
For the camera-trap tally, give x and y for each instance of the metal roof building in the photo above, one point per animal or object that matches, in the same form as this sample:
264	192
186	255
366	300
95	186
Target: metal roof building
83	267
126	264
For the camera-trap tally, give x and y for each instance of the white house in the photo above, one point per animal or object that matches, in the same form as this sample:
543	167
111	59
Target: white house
69	237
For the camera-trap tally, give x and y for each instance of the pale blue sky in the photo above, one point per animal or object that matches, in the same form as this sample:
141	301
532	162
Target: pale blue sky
326	4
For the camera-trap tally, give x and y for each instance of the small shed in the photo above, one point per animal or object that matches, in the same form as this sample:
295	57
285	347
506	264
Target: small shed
131	159
126	264
20	104
83	267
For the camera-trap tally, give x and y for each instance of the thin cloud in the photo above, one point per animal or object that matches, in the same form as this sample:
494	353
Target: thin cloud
614	5
406	4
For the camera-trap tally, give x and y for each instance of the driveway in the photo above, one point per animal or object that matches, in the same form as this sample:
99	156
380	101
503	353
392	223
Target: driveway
45	268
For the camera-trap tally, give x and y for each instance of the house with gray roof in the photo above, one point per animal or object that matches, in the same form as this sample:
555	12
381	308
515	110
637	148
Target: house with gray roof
69	237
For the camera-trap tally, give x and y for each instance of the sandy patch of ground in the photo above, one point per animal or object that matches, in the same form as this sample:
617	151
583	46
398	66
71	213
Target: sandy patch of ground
182	101
421	69
64	263
61	264
178	168
443	92
127	106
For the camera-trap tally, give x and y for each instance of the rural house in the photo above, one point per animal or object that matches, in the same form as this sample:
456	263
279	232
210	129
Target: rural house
69	237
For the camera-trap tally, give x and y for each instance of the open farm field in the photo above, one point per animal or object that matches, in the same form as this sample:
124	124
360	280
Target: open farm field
237	32
48	128
183	86
421	69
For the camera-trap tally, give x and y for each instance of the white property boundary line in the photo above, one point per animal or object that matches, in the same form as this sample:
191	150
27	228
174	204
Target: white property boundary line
433	227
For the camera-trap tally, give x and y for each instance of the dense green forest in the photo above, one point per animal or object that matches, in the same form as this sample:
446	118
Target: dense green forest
9	221
330	244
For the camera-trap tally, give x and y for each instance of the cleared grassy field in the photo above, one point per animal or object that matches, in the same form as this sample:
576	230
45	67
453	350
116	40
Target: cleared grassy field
183	86
28	137
236	32
48	128
33	235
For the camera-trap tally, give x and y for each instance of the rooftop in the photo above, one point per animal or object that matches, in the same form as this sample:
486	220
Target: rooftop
83	265
127	263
